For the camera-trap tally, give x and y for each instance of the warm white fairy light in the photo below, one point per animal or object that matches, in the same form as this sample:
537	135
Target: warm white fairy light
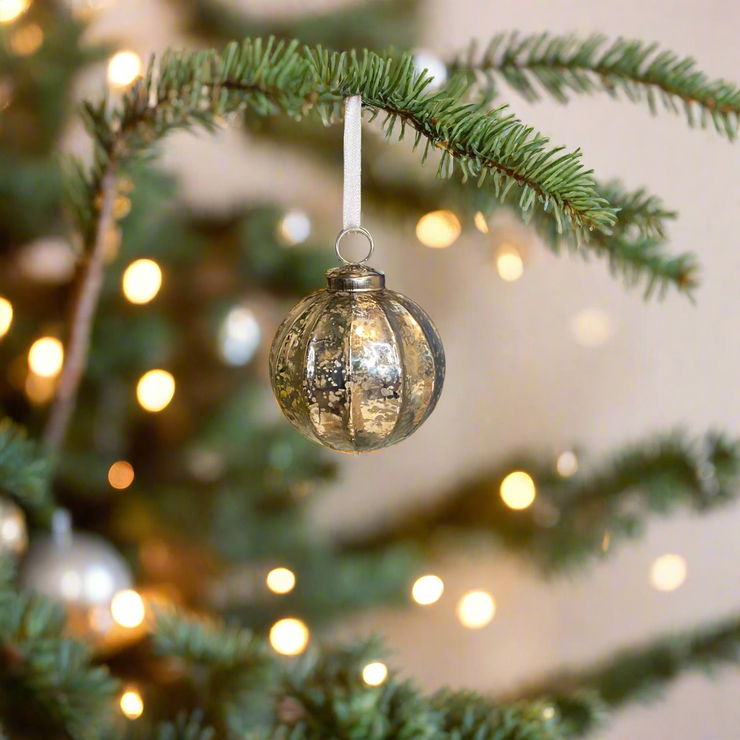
567	463
518	490
46	357
289	636
239	337
480	223
128	609
427	590
435	67
142	281
509	262
591	327
373	674
27	40
132	705
155	390
12	9
121	474
123	68
280	580
668	572
476	609
294	227
438	229
6	315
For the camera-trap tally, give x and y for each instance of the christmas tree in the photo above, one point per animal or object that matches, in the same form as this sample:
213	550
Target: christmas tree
175	584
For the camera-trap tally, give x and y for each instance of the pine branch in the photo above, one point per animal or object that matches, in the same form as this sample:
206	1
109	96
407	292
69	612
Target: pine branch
25	473
576	519
565	65
185	728
643	673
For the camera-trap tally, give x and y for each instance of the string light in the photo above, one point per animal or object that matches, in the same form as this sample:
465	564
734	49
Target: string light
121	474
280	580
27	40
123	68
509	262
46	357
476	609
517	490
373	674
239	336
155	390
294	227
11	9
142	281
128	609
6	315
567	463
438	229
132	705
480	222
591	327
289	636
427	590
668	572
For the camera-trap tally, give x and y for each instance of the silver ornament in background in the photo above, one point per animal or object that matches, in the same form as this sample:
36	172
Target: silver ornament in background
13	531
82	570
356	367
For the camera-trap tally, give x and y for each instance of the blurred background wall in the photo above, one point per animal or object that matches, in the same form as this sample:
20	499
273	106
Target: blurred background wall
517	374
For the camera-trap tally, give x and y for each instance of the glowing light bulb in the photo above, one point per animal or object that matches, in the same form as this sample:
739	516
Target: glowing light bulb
438	229
121	474
6	315
132	705
280	580
480	222
294	228
373	674
142	281
46	356
427	590
567	463
155	390
476	609
12	9
123	68
509	262
517	490
289	636
668	572
128	609
591	327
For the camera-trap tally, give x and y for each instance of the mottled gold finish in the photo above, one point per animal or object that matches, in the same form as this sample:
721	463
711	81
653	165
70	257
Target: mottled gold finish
356	367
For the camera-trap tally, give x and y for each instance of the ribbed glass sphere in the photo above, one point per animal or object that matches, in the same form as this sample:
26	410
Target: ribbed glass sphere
357	367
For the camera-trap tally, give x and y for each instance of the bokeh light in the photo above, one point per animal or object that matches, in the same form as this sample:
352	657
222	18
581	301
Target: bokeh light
373	674
239	336
12	9
280	580
668	572
121	474
480	223
289	636
6	315
123	68
294	227
476	609
567	463
518	490
591	327
438	229
132	705
509	262
434	65
155	390
142	281
27	40
128	609
46	357
427	590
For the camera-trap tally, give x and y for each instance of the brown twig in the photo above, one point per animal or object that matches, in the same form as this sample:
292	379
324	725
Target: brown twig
84	305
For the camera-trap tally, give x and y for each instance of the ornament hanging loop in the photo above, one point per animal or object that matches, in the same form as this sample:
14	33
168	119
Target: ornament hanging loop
354	230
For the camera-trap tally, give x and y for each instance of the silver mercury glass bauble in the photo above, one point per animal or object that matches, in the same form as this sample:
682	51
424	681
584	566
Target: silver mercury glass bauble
357	367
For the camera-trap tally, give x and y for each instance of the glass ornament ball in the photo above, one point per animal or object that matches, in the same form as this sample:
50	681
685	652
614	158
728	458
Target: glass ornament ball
357	367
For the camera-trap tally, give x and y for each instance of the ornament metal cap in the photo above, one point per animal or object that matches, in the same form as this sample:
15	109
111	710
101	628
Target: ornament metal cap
354	278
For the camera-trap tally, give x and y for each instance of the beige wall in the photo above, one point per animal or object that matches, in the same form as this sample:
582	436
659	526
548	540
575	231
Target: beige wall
516	377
